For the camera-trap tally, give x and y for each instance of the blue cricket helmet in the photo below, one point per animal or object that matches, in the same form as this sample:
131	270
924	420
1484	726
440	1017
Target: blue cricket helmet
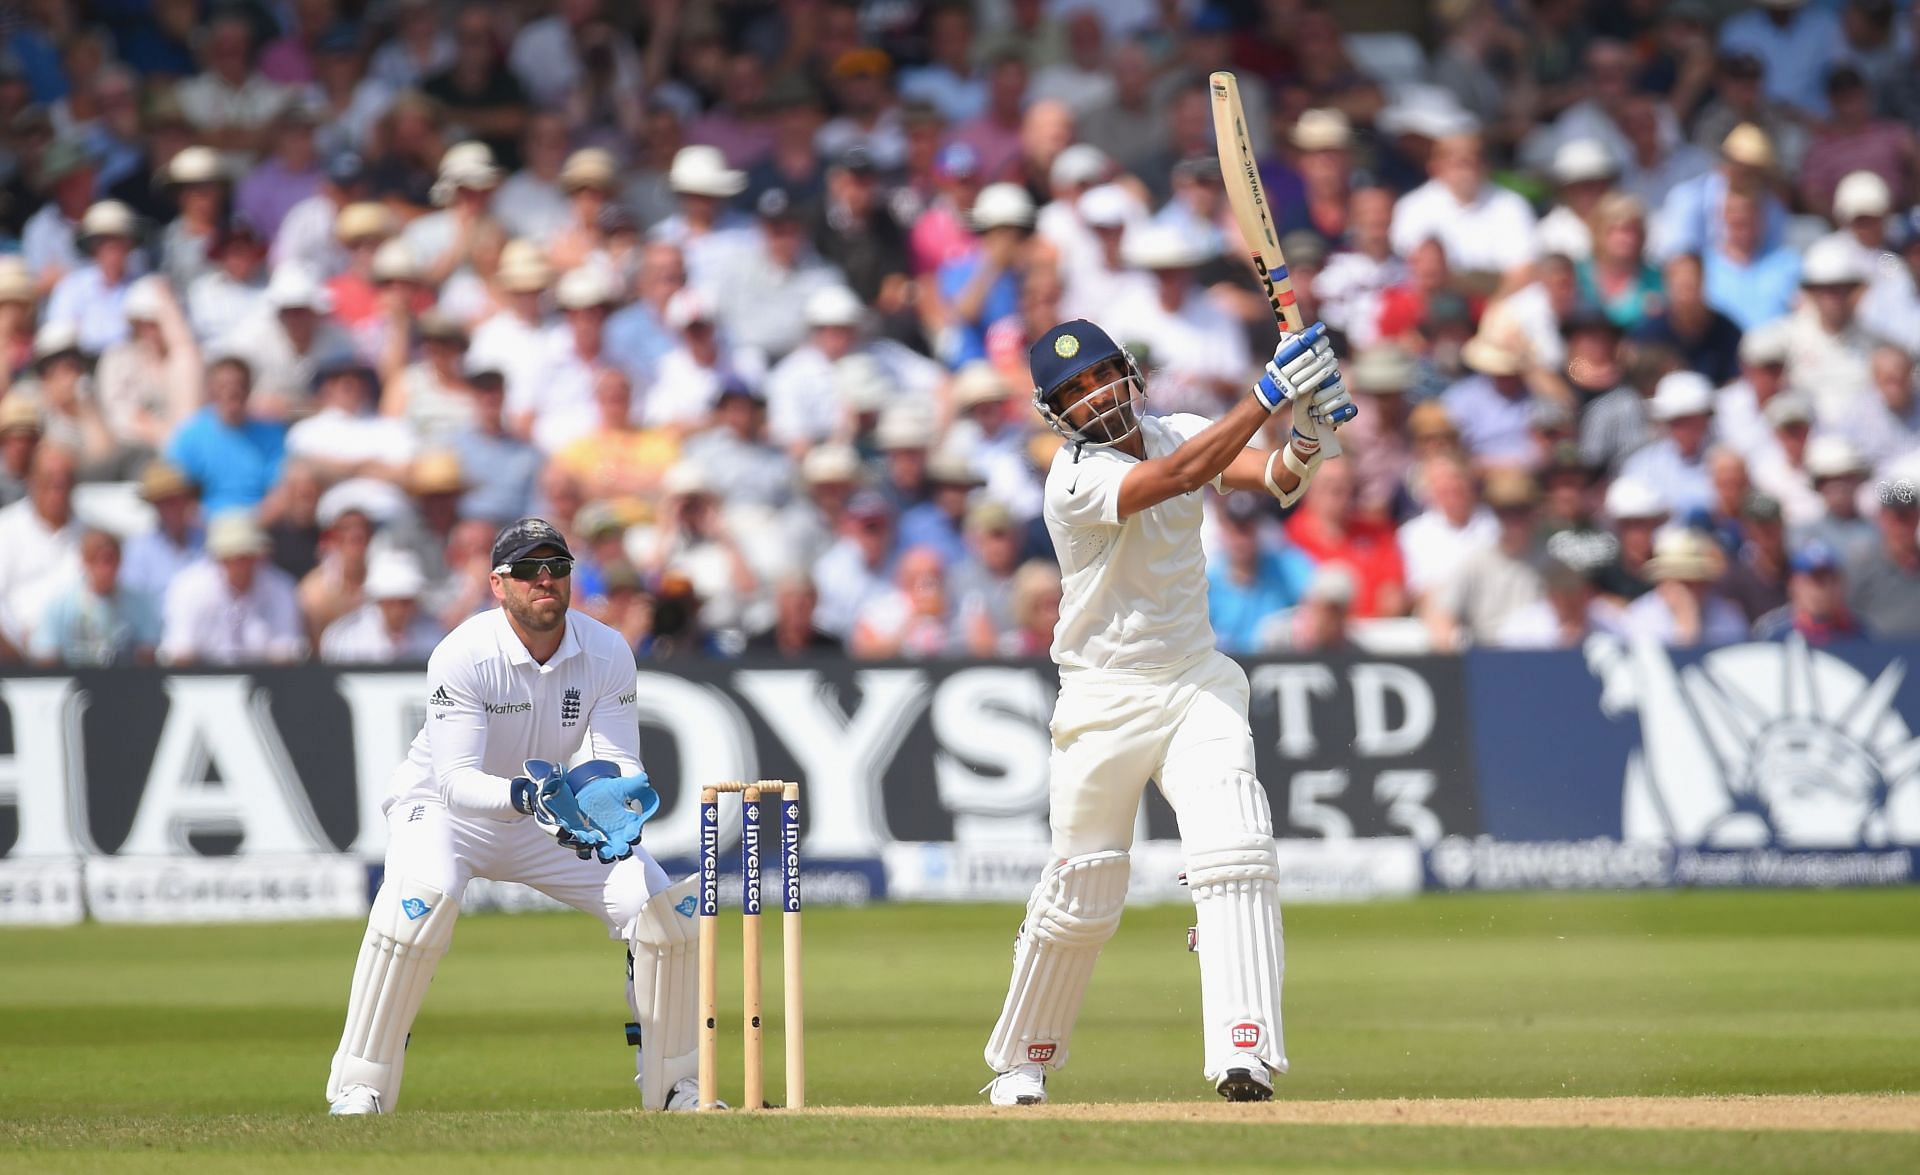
1068	350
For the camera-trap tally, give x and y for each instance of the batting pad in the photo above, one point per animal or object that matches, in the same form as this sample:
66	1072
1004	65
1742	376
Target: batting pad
410	928
1071	915
663	990
1236	901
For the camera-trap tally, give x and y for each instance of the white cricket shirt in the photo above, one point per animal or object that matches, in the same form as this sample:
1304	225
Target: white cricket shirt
1133	592
491	707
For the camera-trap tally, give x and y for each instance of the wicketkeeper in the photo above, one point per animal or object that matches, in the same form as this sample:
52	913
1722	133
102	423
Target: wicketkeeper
512	694
1144	695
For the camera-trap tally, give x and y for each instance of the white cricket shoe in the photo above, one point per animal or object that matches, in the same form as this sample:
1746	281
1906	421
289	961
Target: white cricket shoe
1022	1085
1246	1079
684	1097
356	1099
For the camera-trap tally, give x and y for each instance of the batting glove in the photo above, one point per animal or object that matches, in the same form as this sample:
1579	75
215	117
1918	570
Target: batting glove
1299	365
542	793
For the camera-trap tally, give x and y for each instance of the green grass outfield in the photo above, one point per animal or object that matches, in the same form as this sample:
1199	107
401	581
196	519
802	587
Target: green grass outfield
206	1049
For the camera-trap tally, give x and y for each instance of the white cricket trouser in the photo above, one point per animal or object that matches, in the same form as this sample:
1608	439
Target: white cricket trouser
430	845
1185	727
1113	731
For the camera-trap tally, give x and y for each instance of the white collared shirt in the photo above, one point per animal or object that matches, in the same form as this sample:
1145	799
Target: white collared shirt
1492	234
40	562
491	707
1133	591
206	623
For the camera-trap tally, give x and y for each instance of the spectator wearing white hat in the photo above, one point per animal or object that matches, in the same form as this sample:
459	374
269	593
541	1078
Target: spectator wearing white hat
939	523
1484	228
798	413
529	202
687	382
1076	171
91	299
1635	514
1890	307
513	340
1322	141
98	619
1781	469
1739	406
233	607
1198	350
989	425
857	568
903	437
390	627
62	388
41	536
1095	282
983	287
1827	349
705	228
1675	463
1685	609
151	382
444	240
289	338
1477	600
548	409
691	535
761	292
1837	471
200	180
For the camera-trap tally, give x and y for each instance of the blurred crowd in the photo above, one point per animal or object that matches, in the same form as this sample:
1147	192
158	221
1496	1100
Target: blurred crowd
300	300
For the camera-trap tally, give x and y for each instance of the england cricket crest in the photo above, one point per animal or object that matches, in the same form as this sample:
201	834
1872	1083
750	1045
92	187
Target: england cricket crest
1761	745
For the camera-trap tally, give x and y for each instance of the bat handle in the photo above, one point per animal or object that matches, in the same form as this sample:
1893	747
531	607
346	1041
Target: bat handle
1301	343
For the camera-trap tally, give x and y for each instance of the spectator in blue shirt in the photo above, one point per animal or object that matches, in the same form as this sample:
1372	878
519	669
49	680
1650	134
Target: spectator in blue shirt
233	457
509	466
1254	575
1745	281
98	621
983	287
938	521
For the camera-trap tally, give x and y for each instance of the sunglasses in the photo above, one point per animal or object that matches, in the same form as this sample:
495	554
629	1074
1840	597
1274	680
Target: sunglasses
528	570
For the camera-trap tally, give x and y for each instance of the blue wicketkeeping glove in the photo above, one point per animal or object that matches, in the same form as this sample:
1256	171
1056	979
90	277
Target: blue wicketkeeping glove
618	805
542	793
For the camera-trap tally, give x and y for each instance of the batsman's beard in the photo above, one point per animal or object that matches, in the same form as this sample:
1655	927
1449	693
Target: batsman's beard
1115	414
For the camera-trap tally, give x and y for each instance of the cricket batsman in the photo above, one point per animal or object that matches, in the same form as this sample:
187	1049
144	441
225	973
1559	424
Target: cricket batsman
1145	695
512	695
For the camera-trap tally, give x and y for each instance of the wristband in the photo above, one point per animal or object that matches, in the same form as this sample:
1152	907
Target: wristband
1268	393
1302	466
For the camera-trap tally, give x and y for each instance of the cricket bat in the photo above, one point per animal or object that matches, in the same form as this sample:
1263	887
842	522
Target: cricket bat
1241	172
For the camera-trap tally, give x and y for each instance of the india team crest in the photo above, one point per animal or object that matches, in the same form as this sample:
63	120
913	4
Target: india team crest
1066	346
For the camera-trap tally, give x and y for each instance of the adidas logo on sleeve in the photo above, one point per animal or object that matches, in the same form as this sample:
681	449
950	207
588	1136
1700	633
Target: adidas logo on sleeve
440	697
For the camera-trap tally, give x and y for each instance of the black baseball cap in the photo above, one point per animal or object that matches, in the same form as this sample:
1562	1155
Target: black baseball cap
524	537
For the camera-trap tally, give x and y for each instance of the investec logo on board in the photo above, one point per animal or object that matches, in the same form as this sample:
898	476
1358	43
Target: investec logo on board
1762	746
